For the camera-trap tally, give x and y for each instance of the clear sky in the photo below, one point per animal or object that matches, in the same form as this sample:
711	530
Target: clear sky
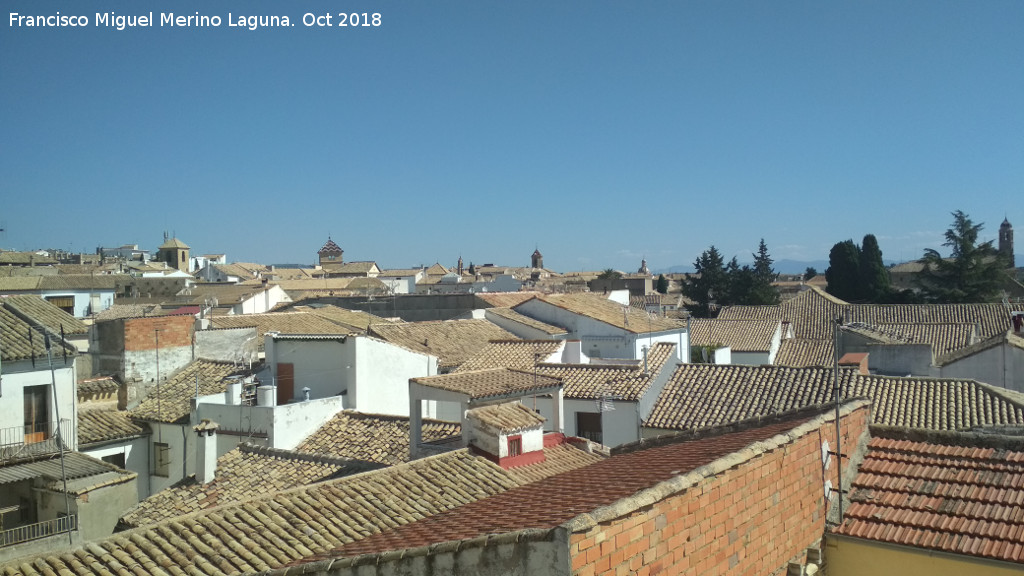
599	132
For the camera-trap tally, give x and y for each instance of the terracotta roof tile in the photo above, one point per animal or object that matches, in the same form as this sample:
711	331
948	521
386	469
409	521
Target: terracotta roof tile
956	493
805	353
506	417
372	437
701	395
451	341
739	335
100	425
493	383
609	312
298	322
247	472
171	401
513	316
515	354
44	314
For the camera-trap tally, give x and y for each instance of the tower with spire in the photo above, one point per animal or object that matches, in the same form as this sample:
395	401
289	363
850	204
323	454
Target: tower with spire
1006	241
537	259
330	254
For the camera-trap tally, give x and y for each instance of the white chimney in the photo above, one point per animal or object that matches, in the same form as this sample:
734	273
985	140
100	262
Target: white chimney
573	353
266	396
206	451
233	395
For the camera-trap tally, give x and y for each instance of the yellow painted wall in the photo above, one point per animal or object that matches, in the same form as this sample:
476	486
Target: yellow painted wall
851	557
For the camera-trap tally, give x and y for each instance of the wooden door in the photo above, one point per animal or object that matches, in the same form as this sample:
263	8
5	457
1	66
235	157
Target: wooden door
37	414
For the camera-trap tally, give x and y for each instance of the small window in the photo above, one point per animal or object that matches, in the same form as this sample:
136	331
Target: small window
162	459
115	459
515	446
588	425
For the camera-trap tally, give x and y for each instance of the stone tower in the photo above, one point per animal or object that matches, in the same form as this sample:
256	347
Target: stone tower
1006	241
537	259
174	253
330	254
643	268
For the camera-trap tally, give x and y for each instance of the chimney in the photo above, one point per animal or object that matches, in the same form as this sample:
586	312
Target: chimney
573	352
858	360
233	395
206	451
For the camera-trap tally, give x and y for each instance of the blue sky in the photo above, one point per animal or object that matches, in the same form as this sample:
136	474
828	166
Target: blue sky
600	132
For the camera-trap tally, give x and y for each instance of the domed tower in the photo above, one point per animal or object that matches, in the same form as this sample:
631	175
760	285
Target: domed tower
330	254
1006	241
643	268
537	259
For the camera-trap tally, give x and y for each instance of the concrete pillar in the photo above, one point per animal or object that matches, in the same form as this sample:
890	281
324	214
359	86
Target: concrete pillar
206	451
464	412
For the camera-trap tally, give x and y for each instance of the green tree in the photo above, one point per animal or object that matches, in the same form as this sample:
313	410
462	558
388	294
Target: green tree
661	286
972	273
472	268
811	272
762	289
875	285
609	274
843	271
709	285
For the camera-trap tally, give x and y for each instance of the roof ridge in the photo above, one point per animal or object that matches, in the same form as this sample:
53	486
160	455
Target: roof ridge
250	448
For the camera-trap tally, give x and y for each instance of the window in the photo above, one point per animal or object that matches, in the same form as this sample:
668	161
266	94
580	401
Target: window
161	459
588	425
515	446
115	459
65	303
37	412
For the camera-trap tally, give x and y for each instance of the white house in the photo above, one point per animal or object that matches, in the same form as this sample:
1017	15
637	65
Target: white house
369	374
607	329
80	295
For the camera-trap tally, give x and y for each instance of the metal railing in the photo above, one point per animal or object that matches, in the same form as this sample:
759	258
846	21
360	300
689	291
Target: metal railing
38	530
18	442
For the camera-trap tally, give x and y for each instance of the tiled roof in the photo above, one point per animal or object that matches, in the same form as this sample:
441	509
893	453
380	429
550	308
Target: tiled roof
119	311
247	472
812	312
45	314
803	353
100	385
15	343
396	272
278	529
1009	338
100	425
515	354
437	270
24	258
613	313
58	282
451	341
559	499
700	395
943	337
329	247
354	319
171	401
572	454
956	493
512	315
309	284
226	294
505	299
493	383
506	417
238	270
372	437
624	380
618	381
174	243
351	267
296	322
739	335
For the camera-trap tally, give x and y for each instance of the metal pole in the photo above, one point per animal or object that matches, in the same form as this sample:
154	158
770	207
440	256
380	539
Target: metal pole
60	436
839	396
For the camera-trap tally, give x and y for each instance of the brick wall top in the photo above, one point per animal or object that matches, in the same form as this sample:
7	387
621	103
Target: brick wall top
174	331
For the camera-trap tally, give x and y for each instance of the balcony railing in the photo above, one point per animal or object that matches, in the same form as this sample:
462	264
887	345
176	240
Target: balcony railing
20	442
38	530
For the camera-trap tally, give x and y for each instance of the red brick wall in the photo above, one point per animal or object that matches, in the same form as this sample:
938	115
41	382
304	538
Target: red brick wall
139	333
748	520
